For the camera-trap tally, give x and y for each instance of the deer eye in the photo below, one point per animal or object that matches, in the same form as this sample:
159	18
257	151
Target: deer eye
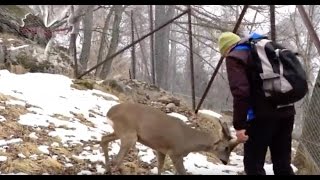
226	149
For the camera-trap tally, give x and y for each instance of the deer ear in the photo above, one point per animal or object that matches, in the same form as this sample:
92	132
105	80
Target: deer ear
225	129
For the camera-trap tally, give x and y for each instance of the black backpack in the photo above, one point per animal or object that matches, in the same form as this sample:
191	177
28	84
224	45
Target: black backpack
282	75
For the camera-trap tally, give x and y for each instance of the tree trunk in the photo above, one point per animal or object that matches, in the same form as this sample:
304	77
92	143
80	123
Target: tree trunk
162	44
152	45
103	41
133	51
75	32
173	63
114	40
146	71
87	35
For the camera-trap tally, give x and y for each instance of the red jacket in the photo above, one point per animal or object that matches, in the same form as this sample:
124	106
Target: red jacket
246	92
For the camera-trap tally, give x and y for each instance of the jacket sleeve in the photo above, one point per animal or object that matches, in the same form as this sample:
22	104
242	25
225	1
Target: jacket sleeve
240	90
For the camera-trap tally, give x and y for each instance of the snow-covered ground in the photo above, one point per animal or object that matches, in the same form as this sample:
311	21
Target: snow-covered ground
49	95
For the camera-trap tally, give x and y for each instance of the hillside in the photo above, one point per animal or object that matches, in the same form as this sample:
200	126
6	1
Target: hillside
50	124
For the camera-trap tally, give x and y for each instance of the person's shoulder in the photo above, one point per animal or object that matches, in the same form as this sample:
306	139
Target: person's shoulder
240	52
242	47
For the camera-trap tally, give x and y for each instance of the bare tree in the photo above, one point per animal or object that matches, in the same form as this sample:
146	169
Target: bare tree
87	33
162	14
103	41
151	22
173	62
114	40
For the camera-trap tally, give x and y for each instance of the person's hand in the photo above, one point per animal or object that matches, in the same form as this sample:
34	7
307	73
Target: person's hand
241	135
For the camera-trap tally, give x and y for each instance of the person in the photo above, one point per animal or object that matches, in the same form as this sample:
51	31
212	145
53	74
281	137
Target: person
259	124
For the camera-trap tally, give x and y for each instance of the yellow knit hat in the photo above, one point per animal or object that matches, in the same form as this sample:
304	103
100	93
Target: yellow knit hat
226	40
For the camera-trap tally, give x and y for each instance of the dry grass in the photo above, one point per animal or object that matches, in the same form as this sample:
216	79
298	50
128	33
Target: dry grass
13	112
15	129
21	165
3	97
129	168
303	161
3	153
51	166
26	148
34	167
11	127
82	119
60	117
45	139
93	113
61	150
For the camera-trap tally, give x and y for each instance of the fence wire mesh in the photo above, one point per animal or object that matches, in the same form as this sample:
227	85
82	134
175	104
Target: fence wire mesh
309	147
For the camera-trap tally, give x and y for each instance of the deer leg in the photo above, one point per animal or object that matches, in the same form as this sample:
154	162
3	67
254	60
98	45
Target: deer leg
127	141
177	161
160	157
104	143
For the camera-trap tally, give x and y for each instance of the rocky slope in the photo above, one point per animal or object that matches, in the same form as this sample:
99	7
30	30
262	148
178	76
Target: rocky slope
51	124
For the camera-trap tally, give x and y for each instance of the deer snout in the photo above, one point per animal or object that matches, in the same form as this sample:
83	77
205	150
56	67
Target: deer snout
224	150
224	162
224	156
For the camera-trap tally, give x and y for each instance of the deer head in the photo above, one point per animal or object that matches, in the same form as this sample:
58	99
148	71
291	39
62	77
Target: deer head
225	145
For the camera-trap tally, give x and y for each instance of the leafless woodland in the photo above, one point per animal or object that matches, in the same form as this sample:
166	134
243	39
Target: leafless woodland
99	31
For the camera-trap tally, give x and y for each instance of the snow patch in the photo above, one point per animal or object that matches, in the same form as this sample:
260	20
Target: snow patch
2	118
33	135
197	163
16	102
11	141
44	149
33	157
3	158
21	155
180	116
55	144
84	172
145	154
155	171
100	169
210	113
68	165
19	173
18	47
95	156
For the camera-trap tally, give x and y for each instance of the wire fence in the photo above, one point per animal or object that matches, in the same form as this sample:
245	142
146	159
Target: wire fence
309	147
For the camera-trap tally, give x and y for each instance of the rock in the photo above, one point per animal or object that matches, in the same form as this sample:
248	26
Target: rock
129	168
140	92
23	56
116	85
166	100
170	106
19	20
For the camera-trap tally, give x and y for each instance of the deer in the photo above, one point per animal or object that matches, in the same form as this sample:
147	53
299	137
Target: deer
165	134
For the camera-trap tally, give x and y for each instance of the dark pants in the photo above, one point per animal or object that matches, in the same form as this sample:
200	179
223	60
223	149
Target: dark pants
274	133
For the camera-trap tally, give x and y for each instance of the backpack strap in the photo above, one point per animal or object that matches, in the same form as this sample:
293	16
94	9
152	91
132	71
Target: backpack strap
246	43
